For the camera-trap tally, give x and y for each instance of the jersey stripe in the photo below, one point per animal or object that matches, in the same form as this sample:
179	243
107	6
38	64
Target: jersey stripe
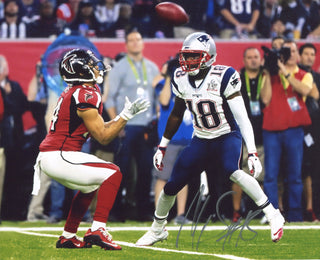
226	77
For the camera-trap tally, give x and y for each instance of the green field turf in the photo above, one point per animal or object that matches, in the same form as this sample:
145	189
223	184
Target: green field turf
22	240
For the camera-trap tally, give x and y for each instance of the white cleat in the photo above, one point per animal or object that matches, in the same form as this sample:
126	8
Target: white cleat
151	237
276	223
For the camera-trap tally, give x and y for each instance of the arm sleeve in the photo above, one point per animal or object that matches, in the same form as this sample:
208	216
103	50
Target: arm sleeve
239	111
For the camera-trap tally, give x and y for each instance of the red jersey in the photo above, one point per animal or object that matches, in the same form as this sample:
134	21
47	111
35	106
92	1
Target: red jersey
67	131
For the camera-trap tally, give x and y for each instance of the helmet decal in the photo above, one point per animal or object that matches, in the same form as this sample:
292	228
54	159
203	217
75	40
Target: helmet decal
67	64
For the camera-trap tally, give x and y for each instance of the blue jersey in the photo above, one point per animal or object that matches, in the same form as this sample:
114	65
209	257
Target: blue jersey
241	9
185	131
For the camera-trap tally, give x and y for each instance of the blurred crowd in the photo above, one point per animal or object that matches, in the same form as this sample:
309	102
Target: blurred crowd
225	19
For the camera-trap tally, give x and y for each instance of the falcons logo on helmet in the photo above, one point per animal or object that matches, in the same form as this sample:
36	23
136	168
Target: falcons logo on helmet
67	64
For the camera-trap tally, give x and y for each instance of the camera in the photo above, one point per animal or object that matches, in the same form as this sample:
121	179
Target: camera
271	57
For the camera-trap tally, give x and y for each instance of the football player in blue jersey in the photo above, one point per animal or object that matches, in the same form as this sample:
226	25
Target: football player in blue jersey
220	121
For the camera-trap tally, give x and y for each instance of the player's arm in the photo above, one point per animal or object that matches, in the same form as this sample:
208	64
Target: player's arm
239	112
175	118
172	126
103	132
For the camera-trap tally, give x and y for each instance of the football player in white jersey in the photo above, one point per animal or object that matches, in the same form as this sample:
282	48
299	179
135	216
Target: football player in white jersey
220	121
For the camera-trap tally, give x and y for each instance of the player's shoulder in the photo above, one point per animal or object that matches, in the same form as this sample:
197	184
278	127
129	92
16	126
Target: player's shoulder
84	94
179	80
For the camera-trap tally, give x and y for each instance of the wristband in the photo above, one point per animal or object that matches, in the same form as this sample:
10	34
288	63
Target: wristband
164	142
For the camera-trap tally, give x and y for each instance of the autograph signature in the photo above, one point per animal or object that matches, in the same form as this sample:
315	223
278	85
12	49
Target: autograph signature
228	232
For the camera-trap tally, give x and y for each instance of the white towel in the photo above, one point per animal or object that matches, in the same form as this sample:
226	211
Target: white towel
36	177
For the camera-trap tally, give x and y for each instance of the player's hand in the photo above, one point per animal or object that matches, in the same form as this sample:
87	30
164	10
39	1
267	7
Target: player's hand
158	157
254	165
132	109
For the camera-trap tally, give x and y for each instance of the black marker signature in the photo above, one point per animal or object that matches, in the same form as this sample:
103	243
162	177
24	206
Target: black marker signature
228	232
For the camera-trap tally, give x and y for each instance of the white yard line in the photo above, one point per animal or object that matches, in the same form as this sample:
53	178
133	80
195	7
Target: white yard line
174	228
231	257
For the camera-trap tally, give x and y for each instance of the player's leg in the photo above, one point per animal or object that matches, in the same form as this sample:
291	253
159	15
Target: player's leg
86	173
188	163
230	152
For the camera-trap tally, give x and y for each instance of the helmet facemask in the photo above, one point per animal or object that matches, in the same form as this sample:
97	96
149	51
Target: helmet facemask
192	61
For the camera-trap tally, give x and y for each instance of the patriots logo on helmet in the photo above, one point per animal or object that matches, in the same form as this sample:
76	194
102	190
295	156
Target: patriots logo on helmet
67	64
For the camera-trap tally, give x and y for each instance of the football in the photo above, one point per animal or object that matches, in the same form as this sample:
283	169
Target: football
172	13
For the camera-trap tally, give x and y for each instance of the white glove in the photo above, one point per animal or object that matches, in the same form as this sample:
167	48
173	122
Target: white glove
158	157
254	165
132	109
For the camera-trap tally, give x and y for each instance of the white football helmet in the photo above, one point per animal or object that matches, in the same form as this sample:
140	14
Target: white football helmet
198	52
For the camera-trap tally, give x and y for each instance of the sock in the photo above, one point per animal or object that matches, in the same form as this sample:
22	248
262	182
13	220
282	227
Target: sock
164	204
269	210
67	234
97	224
250	186
79	207
106	197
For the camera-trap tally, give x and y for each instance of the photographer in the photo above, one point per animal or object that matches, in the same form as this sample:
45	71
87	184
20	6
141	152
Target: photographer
285	115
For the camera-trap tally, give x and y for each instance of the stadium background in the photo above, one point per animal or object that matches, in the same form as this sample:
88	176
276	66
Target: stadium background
23	55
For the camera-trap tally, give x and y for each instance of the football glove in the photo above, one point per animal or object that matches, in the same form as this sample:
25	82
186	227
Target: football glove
158	157
254	165
132	109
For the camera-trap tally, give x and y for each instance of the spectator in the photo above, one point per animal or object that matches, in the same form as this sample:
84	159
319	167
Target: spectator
85	21
107	13
277	42
252	78
66	12
285	115
132	76
38	93
197	18
29	10
124	22
144	17
13	140
269	13
312	24
238	19
311	155
181	139
11	26
3	75
294	17
46	26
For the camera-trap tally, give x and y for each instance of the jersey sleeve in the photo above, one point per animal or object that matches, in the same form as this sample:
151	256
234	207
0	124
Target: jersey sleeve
174	83
86	99
230	83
